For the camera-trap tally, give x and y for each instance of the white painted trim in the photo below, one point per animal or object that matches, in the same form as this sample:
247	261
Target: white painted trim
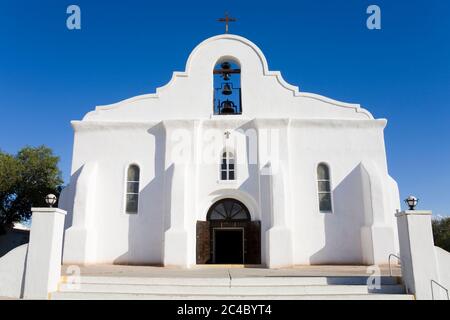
89	125
414	213
49	210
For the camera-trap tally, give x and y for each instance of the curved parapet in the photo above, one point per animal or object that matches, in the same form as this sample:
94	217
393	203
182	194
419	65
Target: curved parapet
264	93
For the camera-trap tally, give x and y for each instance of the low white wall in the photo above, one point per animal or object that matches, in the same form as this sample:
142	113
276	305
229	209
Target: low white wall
443	264
12	269
423	263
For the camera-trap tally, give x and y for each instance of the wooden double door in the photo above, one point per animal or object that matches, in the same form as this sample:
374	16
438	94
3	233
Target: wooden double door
228	242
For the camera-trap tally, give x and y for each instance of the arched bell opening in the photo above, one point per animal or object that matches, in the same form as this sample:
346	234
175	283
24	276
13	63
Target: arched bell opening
227	88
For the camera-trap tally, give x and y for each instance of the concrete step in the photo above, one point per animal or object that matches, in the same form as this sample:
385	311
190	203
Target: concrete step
134	296
235	281
296	281
229	287
258	290
223	283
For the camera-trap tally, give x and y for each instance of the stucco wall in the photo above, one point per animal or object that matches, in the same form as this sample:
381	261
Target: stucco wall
317	237
124	237
299	129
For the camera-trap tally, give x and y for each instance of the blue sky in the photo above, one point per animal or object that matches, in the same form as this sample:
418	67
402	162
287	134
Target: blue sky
50	75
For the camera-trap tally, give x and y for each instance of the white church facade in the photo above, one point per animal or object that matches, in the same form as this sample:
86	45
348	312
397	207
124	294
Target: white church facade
229	164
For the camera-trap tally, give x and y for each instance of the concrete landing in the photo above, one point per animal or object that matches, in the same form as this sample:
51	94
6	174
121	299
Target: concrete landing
229	282
218	271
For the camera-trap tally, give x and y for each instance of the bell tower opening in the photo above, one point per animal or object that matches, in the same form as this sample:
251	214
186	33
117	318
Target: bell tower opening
227	88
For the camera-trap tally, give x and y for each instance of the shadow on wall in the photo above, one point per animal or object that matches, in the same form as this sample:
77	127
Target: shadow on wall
145	229
266	210
66	200
342	228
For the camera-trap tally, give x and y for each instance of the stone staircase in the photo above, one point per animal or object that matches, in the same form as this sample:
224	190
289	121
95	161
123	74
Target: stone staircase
223	288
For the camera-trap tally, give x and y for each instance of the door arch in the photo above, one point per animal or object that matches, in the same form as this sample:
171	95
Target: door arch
228	209
228	236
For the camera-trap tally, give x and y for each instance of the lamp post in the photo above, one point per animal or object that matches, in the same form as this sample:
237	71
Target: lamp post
50	199
411	201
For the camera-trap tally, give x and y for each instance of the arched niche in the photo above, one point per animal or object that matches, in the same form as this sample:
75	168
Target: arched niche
227	87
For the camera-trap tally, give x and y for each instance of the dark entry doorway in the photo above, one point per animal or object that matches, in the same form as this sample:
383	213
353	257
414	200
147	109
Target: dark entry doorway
228	246
228	236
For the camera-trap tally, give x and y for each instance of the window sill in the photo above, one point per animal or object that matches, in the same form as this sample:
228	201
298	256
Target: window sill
227	181
222	116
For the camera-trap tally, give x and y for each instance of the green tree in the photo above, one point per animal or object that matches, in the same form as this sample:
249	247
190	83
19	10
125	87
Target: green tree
441	233
25	179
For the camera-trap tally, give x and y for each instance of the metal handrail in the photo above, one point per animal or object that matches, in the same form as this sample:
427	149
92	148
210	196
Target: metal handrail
389	260
390	269
440	285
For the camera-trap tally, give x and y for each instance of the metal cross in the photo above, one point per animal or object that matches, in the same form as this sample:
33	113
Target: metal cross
227	134
227	19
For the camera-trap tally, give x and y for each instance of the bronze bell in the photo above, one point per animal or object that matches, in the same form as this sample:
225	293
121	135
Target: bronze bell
227	107
226	89
225	65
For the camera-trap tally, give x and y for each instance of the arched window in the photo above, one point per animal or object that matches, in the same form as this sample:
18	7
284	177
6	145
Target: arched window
132	194
228	210
227	88
324	187
227	171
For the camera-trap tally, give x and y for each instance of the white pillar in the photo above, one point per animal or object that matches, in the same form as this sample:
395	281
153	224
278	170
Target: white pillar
273	159
378	233
80	245
43	267
179	241
279	235
176	242
417	252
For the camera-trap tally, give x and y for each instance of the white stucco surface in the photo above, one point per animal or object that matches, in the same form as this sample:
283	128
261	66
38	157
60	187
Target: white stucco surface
443	265
295	131
12	270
